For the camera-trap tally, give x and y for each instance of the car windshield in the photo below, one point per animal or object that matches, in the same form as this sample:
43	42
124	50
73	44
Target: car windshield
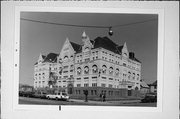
64	94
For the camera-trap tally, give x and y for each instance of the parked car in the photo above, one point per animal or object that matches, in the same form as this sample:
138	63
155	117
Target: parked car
41	95
58	96
26	93
149	97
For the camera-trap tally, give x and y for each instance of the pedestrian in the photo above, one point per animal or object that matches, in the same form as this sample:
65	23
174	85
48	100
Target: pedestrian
104	97
86	95
101	97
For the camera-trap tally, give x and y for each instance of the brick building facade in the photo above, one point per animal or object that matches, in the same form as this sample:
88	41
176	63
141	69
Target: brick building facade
99	66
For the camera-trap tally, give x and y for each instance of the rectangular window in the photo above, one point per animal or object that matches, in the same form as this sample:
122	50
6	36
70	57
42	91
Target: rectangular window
88	59
94	84
86	77
78	85
110	78
124	64
65	71
95	92
103	77
65	67
94	77
78	79
110	85
103	85
86	85
92	92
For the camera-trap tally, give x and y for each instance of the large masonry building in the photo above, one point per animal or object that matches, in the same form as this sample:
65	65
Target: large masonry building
99	66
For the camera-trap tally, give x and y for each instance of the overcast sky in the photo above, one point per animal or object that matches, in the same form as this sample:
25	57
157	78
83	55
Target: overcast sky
36	38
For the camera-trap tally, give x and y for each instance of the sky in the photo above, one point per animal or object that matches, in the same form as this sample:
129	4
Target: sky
36	38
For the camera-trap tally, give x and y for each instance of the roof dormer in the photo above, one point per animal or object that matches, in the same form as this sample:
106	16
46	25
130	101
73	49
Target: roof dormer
87	45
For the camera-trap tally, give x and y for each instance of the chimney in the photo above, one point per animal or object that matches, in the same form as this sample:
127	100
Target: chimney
131	55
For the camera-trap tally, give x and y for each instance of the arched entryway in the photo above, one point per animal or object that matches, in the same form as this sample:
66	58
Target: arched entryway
70	89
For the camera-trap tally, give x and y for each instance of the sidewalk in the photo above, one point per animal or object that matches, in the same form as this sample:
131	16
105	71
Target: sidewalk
106	102
89	101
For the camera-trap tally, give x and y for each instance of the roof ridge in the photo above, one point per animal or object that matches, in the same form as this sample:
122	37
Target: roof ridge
74	43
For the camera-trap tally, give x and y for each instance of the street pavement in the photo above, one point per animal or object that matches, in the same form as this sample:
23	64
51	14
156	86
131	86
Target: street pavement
37	101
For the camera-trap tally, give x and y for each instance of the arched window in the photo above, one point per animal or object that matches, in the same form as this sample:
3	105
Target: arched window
60	70
79	70
86	70
60	60
71	56
137	76
117	71
133	75
129	75
86	49
104	69
136	88
94	69
65	57
110	70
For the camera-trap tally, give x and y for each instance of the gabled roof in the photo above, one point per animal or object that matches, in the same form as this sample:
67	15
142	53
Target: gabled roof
106	43
137	60
144	85
51	57
43	56
154	83
120	48
76	47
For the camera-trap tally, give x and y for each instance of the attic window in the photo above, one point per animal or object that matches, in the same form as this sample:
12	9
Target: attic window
65	57
86	49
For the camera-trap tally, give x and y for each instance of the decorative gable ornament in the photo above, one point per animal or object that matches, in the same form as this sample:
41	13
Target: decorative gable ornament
87	45
40	60
125	52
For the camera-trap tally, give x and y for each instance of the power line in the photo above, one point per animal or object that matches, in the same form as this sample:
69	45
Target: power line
138	22
75	25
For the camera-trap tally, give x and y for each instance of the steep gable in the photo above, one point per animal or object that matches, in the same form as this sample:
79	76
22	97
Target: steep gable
106	43
51	57
76	47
